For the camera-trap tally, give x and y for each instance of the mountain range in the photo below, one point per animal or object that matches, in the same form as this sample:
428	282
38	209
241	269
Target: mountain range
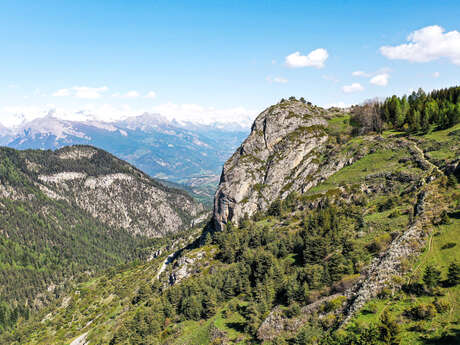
188	154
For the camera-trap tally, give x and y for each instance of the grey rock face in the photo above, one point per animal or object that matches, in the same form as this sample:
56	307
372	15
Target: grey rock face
279	156
185	267
110	190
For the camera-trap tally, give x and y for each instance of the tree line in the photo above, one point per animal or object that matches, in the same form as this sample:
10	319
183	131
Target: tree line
418	112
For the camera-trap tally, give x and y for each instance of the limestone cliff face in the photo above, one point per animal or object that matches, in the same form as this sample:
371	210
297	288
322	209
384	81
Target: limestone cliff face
108	188
281	155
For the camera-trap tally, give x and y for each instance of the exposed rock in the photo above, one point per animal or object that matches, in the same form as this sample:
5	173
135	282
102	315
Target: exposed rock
278	157
107	188
185	266
277	322
81	340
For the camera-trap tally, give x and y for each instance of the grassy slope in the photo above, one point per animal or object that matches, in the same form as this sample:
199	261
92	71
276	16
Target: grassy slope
444	328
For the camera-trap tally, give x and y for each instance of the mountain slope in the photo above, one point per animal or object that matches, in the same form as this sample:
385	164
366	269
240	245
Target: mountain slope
112	190
344	261
187	153
76	210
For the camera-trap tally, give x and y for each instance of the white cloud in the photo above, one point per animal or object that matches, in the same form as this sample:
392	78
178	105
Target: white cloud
355	87
206	115
436	75
128	95
380	79
61	93
427	44
86	92
83	92
315	58
279	80
12	116
151	94
360	74
131	94
337	105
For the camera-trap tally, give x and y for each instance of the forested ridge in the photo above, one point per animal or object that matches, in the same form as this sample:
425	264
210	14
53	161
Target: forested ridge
47	244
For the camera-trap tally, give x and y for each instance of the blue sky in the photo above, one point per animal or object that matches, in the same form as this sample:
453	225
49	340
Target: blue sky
223	60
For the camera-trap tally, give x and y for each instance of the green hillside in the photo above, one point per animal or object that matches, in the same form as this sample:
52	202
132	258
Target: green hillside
367	256
47	241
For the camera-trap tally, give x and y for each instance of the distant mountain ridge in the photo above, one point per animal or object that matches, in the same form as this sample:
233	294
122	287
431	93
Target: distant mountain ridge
180	152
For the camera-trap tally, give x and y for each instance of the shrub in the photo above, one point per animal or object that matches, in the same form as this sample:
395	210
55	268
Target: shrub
421	312
449	245
414	288
441	306
444	218
334	304
293	310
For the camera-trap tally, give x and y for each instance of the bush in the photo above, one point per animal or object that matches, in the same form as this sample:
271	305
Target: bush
445	220
293	310
449	245
414	289
379	243
334	304
441	306
421	312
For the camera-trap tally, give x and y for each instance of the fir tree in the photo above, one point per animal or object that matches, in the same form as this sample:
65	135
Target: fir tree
453	274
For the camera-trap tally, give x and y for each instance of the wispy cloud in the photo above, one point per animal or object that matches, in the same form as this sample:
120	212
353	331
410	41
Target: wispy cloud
361	74
330	78
83	92
278	80
355	87
151	94
127	95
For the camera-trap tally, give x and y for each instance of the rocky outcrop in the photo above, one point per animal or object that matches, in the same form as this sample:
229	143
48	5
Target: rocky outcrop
282	154
185	267
107	188
112	198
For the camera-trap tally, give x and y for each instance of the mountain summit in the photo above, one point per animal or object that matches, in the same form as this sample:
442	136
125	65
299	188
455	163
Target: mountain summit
280	156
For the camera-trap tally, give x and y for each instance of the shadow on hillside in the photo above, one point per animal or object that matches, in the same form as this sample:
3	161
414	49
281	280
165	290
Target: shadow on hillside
455	215
237	326
448	339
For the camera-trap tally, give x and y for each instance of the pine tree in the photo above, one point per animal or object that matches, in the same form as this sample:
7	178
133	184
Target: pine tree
453	274
451	180
431	276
